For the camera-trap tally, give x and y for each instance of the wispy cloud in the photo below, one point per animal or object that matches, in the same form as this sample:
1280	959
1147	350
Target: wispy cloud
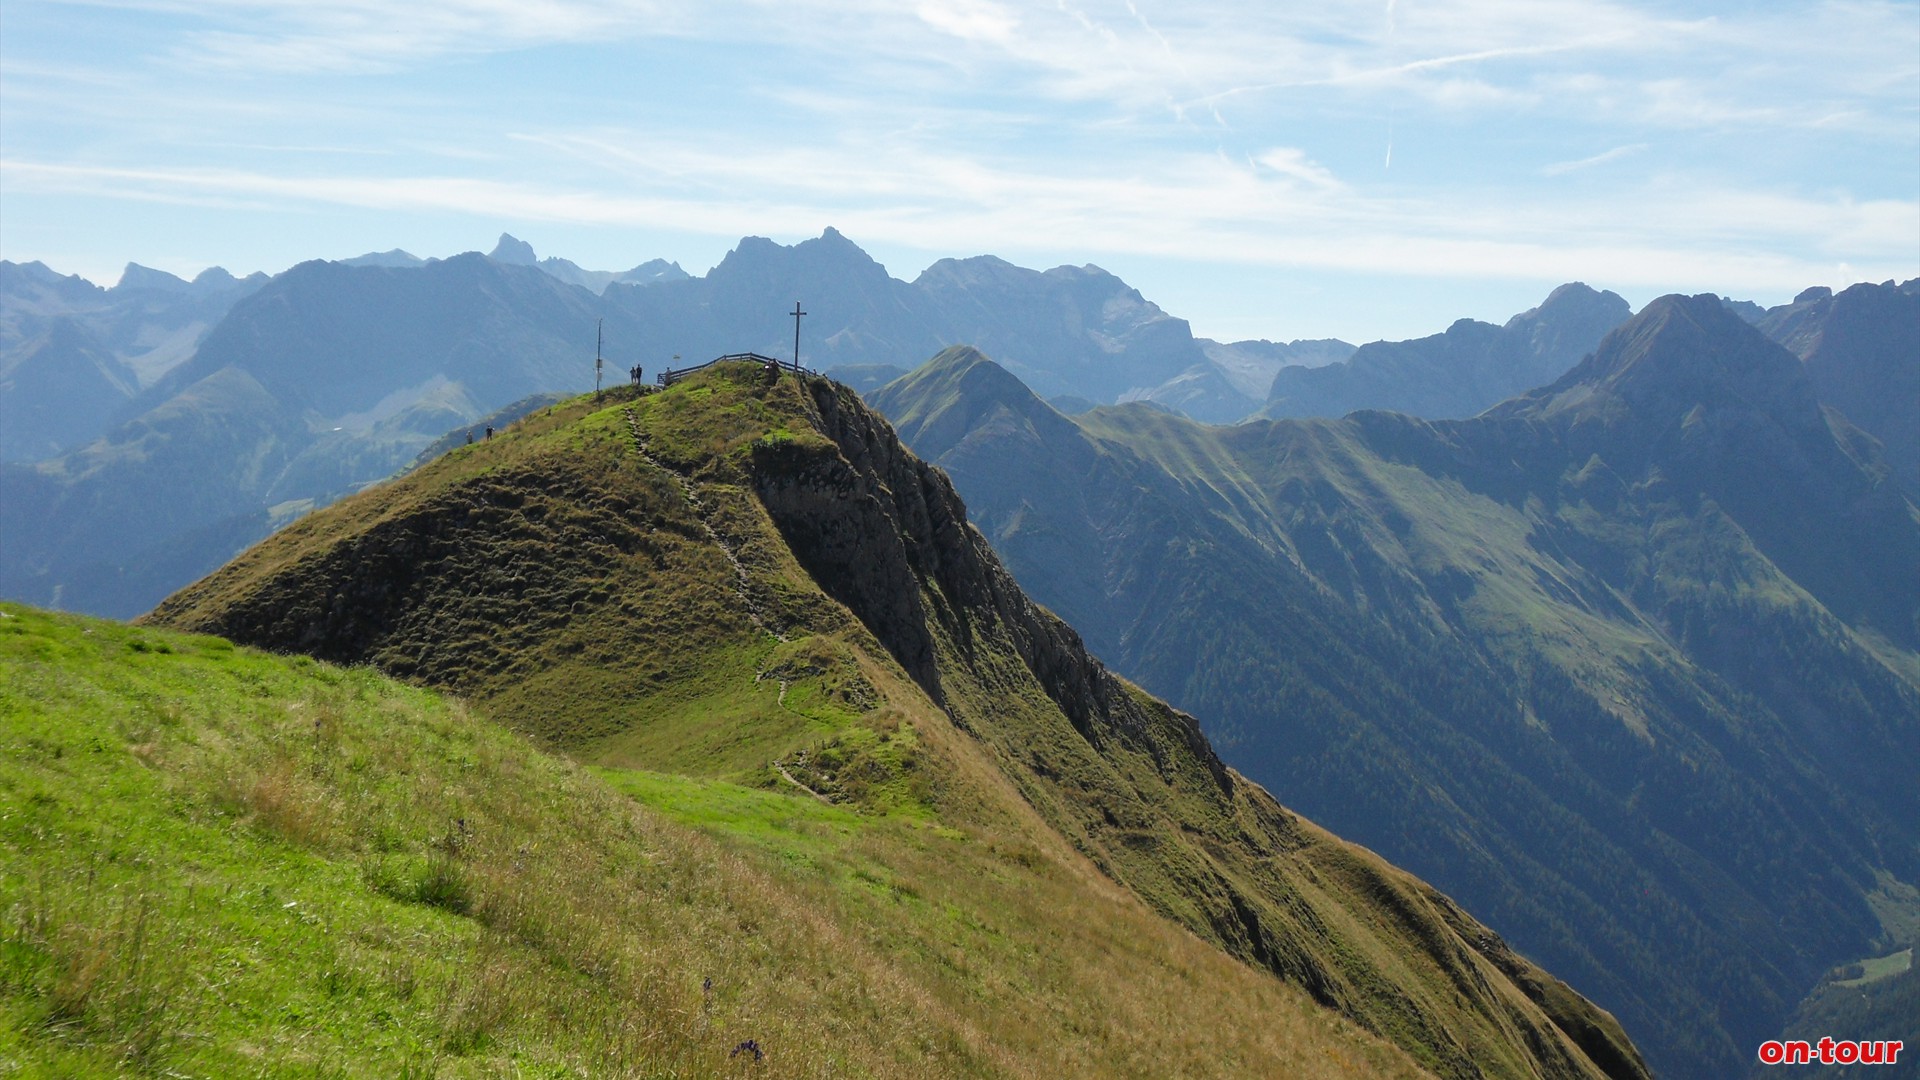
1561	168
1196	209
1292	162
1213	131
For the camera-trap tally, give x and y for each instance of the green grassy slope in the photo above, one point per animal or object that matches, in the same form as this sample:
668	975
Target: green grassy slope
756	585
217	862
1567	665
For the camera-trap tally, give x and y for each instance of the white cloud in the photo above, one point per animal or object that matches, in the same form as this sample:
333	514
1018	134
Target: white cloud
1561	168
1203	131
1197	209
1289	161
971	20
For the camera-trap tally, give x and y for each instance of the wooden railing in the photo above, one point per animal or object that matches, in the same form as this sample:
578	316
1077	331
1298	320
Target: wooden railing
668	378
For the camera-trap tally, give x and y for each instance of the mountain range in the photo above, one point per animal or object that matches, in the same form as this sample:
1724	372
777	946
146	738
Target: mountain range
1629	663
1626	663
73	356
752	582
1460	373
274	396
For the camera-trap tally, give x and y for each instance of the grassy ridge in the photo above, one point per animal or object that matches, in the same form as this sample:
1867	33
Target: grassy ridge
753	583
223	863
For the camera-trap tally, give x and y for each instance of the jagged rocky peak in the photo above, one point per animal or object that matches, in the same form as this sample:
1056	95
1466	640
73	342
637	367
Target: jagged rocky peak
136	276
758	258
655	270
1746	309
831	248
513	250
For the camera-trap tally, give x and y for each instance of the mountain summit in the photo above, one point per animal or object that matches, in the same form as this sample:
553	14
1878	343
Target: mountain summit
513	251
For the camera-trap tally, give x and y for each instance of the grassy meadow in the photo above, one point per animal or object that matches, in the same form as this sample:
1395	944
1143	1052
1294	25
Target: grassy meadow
220	862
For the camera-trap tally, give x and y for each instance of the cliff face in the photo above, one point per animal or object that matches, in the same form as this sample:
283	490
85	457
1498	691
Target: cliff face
878	529
1164	775
706	532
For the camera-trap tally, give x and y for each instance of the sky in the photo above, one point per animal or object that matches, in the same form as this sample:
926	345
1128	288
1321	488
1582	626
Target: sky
1275	170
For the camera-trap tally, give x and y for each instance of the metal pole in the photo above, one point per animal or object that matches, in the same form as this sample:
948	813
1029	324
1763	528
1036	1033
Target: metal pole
598	360
796	336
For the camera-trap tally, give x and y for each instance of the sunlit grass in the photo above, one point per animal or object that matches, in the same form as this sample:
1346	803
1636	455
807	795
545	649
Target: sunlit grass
218	862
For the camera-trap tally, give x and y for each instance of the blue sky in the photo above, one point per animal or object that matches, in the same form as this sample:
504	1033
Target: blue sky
1264	170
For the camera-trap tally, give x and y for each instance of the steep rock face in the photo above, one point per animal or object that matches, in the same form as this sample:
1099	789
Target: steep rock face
915	505
694	523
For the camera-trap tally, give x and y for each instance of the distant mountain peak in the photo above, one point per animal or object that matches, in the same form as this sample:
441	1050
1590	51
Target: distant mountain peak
513	250
984	380
831	242
392	258
656	270
758	257
136	276
1679	353
974	270
945	398
1577	299
40	273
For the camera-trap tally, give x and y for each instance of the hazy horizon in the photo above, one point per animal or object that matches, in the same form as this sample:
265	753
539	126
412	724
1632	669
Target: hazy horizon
1370	171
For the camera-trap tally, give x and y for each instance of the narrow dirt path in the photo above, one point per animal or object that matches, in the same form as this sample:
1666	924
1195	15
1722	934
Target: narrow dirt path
742	583
788	777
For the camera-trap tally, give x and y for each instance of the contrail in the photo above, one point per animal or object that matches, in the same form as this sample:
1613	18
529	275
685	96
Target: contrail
1391	4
